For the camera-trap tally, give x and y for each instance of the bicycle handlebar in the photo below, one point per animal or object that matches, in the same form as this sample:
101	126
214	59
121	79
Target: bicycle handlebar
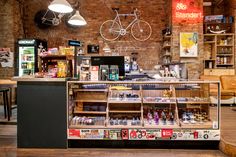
134	12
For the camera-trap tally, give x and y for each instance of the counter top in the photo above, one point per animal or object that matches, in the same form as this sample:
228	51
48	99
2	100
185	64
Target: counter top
145	82
7	82
33	79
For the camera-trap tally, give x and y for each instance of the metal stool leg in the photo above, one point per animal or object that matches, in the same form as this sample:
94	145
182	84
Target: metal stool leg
4	104
8	107
7	104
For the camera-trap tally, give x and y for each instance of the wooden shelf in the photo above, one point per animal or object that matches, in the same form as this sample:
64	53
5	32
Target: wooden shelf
90	90
90	112
160	125
90	100
209	42
166	46
124	126
166	55
229	45
56	56
204	125
86	126
209	59
157	102
224	34
167	36
224	64
118	111
124	101
224	54
194	102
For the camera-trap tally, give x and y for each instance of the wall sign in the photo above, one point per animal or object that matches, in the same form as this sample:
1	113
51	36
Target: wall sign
189	11
6	57
75	43
93	48
188	44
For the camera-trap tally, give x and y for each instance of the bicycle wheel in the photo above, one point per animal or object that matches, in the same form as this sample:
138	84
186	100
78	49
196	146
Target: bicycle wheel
141	30
110	30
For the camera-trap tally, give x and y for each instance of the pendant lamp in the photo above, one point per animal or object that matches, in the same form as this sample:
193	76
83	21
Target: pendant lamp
60	6
77	20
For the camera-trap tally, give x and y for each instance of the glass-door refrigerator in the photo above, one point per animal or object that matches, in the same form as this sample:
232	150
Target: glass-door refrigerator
28	50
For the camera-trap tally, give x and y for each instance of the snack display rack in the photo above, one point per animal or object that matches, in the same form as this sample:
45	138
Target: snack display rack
145	110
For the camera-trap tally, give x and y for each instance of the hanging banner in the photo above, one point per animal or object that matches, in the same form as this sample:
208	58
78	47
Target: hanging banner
189	11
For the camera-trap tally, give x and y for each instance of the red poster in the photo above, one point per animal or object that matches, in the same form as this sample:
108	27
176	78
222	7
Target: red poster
166	133
125	134
74	132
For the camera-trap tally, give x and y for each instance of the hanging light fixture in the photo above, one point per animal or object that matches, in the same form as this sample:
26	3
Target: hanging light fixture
77	20
60	6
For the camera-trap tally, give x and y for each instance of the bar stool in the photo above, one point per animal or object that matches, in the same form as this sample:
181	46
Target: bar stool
6	104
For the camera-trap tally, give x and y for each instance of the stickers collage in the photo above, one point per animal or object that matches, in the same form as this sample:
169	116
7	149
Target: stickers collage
144	134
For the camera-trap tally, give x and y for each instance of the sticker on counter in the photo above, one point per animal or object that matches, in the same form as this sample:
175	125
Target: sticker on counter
125	134
114	134
195	135
166	133
209	134
106	134
137	134
91	134
153	134
74	133
143	134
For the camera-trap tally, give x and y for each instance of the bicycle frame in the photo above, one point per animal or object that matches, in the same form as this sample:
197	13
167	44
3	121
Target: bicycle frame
117	19
112	29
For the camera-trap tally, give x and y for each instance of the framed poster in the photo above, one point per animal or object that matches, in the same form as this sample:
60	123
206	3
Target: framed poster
93	48
188	44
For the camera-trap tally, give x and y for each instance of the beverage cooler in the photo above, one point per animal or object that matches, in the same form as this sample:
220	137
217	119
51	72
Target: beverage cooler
28	52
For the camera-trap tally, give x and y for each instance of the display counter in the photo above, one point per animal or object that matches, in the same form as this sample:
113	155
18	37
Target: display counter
146	110
41	113
55	113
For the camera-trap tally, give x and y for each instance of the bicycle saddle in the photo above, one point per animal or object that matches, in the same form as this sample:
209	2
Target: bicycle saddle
117	9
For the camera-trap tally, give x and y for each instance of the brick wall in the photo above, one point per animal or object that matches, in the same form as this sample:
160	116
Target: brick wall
10	30
95	13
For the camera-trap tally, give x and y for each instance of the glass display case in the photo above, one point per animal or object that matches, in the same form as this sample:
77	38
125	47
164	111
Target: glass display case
145	110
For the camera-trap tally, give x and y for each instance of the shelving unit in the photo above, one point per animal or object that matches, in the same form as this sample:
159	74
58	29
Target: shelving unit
85	68
166	52
221	50
52	60
158	107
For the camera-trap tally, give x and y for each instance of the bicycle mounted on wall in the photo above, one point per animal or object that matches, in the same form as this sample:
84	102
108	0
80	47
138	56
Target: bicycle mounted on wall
112	29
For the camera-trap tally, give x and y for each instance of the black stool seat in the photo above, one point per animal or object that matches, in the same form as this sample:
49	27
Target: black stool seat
6	103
